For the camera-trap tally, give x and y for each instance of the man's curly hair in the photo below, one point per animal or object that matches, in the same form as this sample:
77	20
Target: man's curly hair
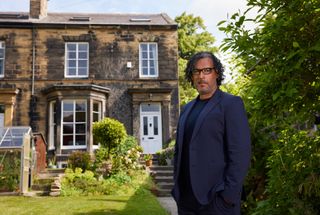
194	59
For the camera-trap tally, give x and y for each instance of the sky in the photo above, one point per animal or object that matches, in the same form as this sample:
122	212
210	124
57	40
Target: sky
211	11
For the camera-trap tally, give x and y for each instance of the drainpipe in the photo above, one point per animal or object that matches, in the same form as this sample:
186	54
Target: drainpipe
32	104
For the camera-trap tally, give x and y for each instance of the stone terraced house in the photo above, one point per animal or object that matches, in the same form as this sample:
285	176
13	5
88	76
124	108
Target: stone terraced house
60	72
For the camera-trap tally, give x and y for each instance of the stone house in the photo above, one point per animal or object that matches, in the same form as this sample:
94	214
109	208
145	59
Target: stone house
60	72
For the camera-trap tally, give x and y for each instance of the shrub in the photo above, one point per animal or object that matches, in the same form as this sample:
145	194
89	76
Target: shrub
294	180
109	133
79	159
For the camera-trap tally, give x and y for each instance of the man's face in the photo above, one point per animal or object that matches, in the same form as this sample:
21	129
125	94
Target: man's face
206	84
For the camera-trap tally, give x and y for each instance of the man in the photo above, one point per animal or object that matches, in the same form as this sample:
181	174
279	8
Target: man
212	151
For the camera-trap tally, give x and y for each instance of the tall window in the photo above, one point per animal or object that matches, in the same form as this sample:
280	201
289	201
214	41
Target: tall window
77	60
2	51
148	59
74	123
52	125
96	116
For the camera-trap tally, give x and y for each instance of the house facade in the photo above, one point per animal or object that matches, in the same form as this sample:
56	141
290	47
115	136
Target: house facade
61	72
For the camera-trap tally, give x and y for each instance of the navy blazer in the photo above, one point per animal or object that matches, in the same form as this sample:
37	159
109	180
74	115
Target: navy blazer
219	151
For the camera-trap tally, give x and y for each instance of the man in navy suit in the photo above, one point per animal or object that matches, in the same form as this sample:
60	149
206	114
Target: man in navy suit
212	151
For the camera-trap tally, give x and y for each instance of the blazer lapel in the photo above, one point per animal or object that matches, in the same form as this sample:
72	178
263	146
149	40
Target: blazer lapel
214	100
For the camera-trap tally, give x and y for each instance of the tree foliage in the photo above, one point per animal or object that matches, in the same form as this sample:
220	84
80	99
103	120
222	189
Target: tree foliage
192	38
109	133
280	62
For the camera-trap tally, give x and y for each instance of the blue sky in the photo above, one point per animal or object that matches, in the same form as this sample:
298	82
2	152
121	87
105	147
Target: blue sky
211	11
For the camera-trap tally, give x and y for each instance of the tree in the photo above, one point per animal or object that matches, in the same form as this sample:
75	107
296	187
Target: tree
280	82
192	37
109	133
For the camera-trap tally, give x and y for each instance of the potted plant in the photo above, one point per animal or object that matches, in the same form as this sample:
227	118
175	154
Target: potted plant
148	159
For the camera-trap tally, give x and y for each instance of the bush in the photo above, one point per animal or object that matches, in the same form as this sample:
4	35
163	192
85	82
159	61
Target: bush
110	133
166	153
79	159
294	179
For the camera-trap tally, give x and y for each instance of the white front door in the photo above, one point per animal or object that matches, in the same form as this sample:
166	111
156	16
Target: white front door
150	127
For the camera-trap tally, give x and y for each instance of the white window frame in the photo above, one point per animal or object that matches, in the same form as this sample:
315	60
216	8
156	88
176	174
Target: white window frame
74	125
67	72
99	113
149	59
52	125
2	59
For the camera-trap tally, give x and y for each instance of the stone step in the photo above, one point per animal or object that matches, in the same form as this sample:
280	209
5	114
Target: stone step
163	192
41	187
165	185
162	173
160	168
159	179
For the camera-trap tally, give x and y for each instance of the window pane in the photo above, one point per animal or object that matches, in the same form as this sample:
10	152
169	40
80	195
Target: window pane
152	47
144	47
152	71
95	117
144	63
67	140
80	128
151	63
83	47
150	108
68	129
83	72
80	106
145	125
155	125
1	52
71	71
80	116
72	55
96	106
1	67
67	116
81	140
72	63
145	71
67	106
144	55
82	63
71	46
83	55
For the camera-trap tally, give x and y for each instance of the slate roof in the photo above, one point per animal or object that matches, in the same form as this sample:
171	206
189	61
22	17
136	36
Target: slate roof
160	19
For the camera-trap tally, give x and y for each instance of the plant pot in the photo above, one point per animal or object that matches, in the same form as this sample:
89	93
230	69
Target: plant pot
148	162
169	161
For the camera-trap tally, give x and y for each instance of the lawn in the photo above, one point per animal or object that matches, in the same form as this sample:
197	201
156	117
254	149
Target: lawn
141	202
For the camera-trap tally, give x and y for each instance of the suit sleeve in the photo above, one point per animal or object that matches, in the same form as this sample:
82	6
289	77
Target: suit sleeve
238	149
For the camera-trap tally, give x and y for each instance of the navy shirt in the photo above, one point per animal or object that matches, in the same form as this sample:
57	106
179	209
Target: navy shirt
187	195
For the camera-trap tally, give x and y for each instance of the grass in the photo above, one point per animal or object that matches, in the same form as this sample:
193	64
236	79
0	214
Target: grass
133	202
139	203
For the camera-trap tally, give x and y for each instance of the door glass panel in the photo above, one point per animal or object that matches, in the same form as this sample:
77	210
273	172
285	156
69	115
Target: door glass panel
145	125
150	108
155	125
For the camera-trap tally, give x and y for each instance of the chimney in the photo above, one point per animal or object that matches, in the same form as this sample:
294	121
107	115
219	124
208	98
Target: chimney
38	9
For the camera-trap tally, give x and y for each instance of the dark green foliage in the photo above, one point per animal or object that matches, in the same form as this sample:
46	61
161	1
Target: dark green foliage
110	133
10	170
79	159
279	81
294	175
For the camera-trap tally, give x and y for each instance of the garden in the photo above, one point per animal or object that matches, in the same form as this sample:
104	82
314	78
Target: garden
111	182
